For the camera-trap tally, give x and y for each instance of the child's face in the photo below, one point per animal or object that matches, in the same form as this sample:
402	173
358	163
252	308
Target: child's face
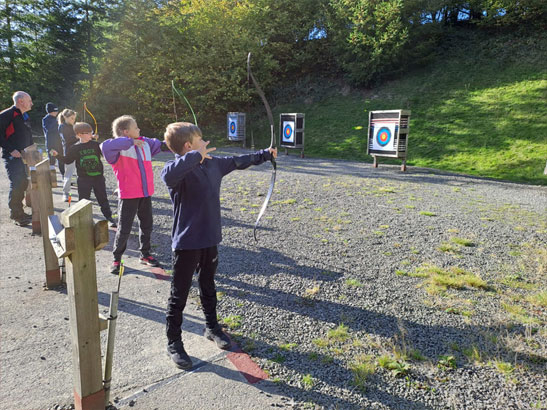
133	131
71	119
196	144
85	136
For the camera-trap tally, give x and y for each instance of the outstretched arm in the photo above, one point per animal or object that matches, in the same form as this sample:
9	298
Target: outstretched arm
228	164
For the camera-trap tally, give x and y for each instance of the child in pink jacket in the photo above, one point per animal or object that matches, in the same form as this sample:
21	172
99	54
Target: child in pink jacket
130	155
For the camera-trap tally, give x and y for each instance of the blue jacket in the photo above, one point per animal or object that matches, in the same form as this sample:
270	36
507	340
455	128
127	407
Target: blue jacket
51	132
195	193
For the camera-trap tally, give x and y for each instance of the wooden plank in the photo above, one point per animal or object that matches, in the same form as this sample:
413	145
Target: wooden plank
45	202
101	237
83	302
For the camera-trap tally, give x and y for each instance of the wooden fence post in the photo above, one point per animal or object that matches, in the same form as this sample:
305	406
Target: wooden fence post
32	157
42	175
77	242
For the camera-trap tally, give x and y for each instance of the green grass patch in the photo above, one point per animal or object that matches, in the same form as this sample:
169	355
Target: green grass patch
428	213
398	368
233	321
538	299
307	381
446	362
438	280
362	368
462	241
353	283
340	334
287	346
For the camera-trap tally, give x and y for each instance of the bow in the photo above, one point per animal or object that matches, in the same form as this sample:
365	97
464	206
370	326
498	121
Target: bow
181	95
91	115
272	142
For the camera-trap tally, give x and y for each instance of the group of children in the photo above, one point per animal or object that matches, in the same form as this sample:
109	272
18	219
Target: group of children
193	179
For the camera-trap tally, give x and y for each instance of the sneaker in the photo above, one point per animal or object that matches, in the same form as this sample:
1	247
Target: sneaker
150	261
176	352
21	221
218	336
111	223
115	268
65	198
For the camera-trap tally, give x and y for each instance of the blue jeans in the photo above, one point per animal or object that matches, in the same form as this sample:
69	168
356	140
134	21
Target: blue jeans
18	179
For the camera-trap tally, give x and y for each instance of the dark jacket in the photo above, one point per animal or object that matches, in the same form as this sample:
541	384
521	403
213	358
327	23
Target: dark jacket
68	136
15	131
51	132
195	193
88	159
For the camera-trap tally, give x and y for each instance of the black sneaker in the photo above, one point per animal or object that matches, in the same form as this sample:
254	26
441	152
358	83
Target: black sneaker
176	352
218	336
21	221
150	261
115	268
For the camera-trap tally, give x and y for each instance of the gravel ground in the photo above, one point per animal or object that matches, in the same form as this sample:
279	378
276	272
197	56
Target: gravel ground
347	280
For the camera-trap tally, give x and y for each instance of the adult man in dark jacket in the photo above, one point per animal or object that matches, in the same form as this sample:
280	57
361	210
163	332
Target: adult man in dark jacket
51	133
15	136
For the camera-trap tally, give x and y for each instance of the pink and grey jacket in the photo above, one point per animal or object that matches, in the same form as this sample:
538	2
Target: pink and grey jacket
132	165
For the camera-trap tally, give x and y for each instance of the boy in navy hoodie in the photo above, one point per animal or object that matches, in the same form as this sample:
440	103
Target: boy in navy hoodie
194	179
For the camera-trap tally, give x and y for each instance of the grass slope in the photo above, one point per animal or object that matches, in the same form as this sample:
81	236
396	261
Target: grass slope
479	109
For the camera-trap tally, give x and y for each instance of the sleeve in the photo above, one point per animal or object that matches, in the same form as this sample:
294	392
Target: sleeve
228	164
49	127
70	156
5	121
155	145
111	148
175	171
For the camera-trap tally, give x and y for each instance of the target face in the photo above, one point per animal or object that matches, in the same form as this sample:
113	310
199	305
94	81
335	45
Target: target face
384	135
232	127
288	131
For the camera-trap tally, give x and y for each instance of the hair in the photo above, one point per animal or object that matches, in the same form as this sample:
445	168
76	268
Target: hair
179	133
120	124
82	128
19	95
63	115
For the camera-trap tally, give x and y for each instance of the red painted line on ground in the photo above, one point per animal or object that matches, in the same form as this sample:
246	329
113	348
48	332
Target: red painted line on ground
246	366
160	274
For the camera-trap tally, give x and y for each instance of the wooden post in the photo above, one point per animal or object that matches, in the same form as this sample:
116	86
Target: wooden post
403	165
32	157
375	162
83	302
45	202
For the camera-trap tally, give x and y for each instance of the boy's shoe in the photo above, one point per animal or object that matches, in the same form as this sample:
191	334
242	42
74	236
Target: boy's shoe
150	261
65	198
176	352
115	268
218	336
22	219
111	223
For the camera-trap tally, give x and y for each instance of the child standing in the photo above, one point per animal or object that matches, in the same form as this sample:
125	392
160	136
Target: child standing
130	155
66	120
51	133
193	179
89	167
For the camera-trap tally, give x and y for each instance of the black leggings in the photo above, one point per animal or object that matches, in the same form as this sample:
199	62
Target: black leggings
185	263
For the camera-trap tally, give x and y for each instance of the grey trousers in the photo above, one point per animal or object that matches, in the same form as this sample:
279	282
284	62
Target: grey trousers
127	209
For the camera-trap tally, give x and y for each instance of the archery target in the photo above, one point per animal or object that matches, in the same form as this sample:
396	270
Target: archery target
288	131
232	127
384	135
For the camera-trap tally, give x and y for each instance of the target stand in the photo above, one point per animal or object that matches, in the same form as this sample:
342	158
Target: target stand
388	135
291	131
235	122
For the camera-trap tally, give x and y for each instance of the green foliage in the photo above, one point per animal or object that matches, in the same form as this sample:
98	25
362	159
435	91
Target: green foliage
398	368
368	34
